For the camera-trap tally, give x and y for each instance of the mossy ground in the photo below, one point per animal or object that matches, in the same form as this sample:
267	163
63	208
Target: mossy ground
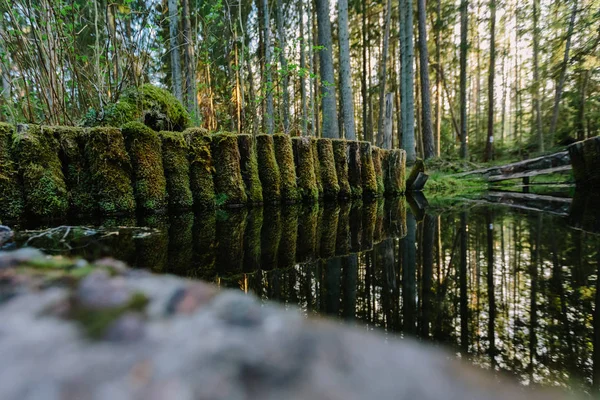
229	185
329	180
317	164
41	171
145	152
110	170
284	155
394	171
249	168
378	155
369	180
305	169
340	154
177	170
354	169
11	196
268	169
201	168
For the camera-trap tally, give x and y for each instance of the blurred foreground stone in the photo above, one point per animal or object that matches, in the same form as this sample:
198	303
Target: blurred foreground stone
73	330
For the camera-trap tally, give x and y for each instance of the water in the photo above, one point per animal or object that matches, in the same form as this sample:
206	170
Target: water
510	289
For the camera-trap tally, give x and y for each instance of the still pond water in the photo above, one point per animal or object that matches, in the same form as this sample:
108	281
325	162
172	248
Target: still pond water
511	290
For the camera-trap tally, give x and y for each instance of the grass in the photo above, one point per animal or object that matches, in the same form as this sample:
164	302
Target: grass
444	184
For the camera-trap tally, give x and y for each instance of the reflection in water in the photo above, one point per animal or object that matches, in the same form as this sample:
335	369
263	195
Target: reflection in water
507	289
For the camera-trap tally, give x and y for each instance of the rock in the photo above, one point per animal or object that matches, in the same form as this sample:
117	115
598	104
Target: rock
6	235
127	328
98	290
14	258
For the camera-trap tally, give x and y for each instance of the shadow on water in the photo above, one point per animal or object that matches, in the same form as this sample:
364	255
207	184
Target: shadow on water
509	288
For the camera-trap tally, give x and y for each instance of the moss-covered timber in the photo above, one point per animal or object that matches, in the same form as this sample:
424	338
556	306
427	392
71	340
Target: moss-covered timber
394	171
229	185
289	236
11	195
340	154
145	151
249	168
585	159
230	241
317	164
305	169
41	171
378	155
369	219
205	242
356	221
110	169
152	253
269	237
328	223
354	169
417	168
307	233
268	170
369	180
342	241
201	168
180	252
177	170
284	155
329	180
252	250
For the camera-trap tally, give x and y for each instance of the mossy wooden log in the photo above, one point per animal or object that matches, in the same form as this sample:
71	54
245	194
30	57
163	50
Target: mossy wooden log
41	171
369	180
369	220
284	154
328	222
11	195
307	233
340	154
145	151
176	165
110	169
379	231
418	168
229	185
378	155
356	221
268	170
270	237
249	168
201	168
585	159
252	249
394	166
289	236
305	169
329	180
354	169
317	164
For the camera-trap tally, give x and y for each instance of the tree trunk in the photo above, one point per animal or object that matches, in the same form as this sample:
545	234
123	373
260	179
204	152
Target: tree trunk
345	72
426	127
190	73
438	82
388	122
285	98
537	112
329	123
407	80
363	77
489	148
303	69
382	73
267	83
464	48
580	122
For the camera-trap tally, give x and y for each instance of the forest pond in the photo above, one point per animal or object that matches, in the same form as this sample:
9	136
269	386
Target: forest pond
509	288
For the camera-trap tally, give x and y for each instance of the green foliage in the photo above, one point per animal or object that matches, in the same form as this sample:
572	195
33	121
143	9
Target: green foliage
268	169
11	196
284	155
249	168
201	167
177	169
229	185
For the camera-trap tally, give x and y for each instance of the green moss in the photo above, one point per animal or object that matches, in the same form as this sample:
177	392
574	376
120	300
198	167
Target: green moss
284	155
342	241
328	222
289	236
155	107
329	180
340	154
378	155
201	168
230	242
249	167
177	170
317	164
395	171
268	169
252	249
354	169
110	170
11	196
307	233
145	152
417	168
229	185
369	179
270	237
41	171
305	169
379	232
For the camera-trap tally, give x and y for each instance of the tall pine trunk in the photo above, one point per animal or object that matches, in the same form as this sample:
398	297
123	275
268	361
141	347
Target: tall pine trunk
285	98
190	70
345	72
363	77
489	148
426	128
267	79
464	48
383	73
329	124
407	80
438	81
537	112
302	68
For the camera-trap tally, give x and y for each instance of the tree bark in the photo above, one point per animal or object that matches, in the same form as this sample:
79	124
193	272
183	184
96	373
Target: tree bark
407	81
537	112
382	74
426	127
329	123
190	73
489	148
303	69
363	78
464	48
347	98
267	80
438	82
285	98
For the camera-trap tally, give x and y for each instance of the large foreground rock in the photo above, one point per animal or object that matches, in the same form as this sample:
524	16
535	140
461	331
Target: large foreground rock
190	341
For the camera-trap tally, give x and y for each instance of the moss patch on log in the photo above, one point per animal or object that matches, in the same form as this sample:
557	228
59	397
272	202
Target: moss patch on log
305	169
329	180
369	180
145	152
377	155
110	170
177	169
249	167
201	168
340	154
229	185
268	170
41	171
354	169
11	196
317	165
284	155
418	168
394	166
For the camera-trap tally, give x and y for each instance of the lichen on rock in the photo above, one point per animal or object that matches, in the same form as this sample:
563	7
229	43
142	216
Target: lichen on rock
369	180
354	169
145	152
305	169
110	170
284	155
177	170
11	195
268	169
329	180
249	168
340	153
41	171
201	168
229	185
